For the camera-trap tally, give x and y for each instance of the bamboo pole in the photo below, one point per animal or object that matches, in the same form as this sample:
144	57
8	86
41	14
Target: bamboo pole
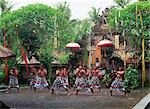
124	55
5	36
143	51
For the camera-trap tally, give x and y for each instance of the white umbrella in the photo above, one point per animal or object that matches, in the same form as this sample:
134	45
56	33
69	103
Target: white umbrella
105	43
73	45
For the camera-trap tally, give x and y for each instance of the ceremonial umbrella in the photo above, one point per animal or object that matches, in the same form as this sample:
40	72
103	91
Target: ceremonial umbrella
105	43
73	46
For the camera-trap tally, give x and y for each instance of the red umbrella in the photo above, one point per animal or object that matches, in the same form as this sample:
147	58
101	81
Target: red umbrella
105	43
73	46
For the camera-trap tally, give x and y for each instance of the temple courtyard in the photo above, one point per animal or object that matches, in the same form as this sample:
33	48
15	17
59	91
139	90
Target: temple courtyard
43	99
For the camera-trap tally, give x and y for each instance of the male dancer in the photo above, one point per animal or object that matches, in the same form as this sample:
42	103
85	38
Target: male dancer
117	84
33	76
41	81
13	79
94	82
80	82
59	81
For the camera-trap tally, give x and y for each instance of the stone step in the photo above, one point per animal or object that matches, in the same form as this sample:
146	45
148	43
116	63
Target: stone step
3	88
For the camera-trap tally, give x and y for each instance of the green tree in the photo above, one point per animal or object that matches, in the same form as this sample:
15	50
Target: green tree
122	3
127	22
94	14
63	24
36	27
5	6
81	28
64	9
68	30
31	24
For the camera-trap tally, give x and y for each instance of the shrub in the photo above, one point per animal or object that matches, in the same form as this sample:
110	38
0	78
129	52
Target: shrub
106	79
131	79
2	76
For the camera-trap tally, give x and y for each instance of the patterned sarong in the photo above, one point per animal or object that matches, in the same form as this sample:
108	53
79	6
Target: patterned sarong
41	82
66	82
33	80
94	82
117	85
58	83
13	81
80	83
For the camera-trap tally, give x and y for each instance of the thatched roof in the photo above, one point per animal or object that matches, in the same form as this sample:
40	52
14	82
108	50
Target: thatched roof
55	62
34	61
130	57
5	52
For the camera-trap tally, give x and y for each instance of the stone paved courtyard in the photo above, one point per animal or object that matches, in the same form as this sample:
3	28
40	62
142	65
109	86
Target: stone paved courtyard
42	99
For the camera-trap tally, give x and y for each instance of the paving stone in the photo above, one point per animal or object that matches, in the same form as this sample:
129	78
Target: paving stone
42	99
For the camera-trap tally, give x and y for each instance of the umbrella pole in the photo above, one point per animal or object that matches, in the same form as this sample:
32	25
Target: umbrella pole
6	64
6	71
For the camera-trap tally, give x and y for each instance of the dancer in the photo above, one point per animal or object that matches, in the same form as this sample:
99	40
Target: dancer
41	81
66	77
95	82
60	82
117	84
13	80
80	81
33	76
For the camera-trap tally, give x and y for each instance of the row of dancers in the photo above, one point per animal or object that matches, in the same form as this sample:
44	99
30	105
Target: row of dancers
86	79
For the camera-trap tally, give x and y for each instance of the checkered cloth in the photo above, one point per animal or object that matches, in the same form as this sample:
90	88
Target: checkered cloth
41	82
13	81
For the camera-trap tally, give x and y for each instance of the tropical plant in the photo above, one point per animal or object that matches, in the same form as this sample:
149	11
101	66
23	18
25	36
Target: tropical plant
122	3
5	6
106	81
31	24
38	28
63	25
127	21
94	14
2	76
131	78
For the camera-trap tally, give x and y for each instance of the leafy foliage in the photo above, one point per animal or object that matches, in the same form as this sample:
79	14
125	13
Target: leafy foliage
127	21
94	14
131	78
122	3
2	76
64	59
107	79
35	27
5	6
32	24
